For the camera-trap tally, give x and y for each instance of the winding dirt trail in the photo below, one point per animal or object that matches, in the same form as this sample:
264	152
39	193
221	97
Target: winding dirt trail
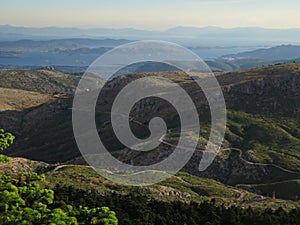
163	141
260	164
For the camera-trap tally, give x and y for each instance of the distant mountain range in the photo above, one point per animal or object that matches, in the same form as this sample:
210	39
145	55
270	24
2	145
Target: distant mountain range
285	52
203	36
76	54
259	57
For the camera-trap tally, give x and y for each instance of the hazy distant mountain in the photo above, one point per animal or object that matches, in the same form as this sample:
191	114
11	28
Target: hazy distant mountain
65	32
188	35
73	43
71	55
286	52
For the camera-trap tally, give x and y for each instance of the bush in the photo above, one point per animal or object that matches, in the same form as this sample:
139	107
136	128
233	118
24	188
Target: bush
6	139
4	158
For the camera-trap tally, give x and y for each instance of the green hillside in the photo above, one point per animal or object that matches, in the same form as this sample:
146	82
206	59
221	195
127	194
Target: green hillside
261	144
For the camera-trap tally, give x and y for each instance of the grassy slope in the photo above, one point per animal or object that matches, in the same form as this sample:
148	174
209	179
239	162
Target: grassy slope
267	140
262	139
182	187
15	99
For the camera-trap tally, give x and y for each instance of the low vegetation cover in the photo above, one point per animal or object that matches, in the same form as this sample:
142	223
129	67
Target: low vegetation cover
135	208
23	200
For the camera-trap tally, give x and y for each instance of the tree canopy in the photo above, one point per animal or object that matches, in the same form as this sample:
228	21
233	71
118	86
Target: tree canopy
24	201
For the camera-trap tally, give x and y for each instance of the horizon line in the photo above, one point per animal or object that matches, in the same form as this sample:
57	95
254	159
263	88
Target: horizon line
161	30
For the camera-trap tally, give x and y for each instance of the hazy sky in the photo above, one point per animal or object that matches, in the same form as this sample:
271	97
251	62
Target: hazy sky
151	14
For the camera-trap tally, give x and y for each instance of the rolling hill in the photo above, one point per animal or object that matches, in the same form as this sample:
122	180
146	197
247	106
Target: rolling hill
262	139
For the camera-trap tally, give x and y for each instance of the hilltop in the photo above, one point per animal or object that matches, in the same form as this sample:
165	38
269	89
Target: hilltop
45	81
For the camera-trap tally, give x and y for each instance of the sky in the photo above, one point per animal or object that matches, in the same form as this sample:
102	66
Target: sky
151	14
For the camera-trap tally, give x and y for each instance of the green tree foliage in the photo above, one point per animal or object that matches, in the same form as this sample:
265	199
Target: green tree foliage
135	209
98	215
6	139
24	201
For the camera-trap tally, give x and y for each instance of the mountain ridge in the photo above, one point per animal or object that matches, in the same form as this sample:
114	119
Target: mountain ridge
241	35
282	52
